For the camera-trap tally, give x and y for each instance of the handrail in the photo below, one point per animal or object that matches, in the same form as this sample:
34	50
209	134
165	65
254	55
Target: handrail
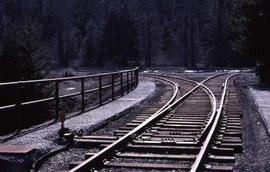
126	85
66	78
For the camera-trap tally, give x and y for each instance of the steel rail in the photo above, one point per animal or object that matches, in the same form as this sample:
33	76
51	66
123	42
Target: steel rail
198	163
214	104
176	87
168	76
101	155
109	150
161	77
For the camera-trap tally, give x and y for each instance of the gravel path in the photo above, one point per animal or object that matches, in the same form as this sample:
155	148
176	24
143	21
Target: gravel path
256	139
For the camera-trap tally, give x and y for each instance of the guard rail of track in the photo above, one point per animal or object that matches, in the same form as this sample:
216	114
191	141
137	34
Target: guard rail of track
198	164
211	96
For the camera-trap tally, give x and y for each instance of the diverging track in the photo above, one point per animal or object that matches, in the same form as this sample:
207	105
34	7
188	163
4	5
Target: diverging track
186	130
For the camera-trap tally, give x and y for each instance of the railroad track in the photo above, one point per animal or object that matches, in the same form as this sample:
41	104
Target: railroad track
194	128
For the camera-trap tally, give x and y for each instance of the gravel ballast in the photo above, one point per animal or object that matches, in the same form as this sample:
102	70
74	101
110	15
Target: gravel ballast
44	140
256	137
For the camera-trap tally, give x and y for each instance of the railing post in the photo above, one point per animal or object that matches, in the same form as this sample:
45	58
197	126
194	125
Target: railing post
121	84
112	86
100	89
82	94
18	105
56	96
127	82
132	80
137	77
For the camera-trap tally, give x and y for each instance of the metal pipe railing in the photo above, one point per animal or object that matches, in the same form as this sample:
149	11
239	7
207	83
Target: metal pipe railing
82	79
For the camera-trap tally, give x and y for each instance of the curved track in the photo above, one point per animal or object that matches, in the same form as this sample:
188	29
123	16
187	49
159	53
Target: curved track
179	136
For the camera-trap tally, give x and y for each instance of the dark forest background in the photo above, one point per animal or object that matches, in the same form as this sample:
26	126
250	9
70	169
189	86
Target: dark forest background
102	33
40	36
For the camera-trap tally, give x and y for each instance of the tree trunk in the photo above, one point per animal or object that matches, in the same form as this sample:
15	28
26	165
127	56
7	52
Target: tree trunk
1	21
192	56
185	41
148	51
60	46
218	58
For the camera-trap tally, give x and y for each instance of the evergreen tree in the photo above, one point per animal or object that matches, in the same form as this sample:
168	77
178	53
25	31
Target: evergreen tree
250	25
21	60
119	38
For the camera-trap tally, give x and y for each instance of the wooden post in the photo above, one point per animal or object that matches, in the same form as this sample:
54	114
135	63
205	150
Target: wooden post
82	94
62	120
